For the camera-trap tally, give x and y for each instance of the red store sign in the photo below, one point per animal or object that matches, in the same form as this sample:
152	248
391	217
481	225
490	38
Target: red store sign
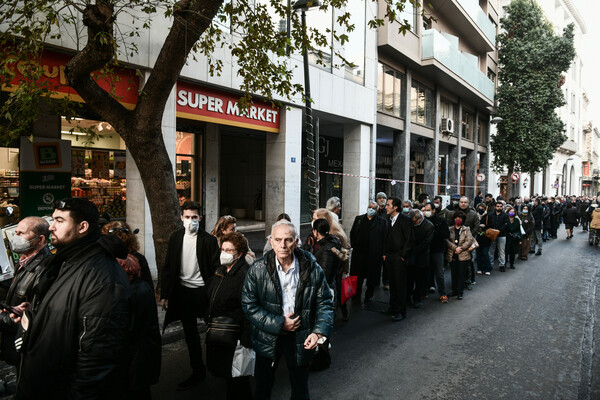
209	105
124	81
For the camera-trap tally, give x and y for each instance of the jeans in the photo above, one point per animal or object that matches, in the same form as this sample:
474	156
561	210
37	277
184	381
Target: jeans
483	259
264	370
501	244
436	263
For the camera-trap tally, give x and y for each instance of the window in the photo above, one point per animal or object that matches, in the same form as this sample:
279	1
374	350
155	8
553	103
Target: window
447	110
491	75
421	104
409	16
389	91
188	168
482	135
573	102
323	23
468	125
427	24
354	48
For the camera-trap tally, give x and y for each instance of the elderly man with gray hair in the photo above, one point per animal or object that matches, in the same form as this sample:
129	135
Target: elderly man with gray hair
418	269
290	307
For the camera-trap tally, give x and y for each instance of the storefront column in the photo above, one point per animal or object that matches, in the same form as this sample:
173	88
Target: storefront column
454	169
212	165
357	155
283	169
432	153
471	163
401	148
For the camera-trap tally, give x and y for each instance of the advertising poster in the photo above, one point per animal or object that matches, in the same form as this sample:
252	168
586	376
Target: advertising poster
120	171
100	161
45	174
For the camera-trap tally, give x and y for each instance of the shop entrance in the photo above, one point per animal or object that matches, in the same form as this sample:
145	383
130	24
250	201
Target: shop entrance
243	170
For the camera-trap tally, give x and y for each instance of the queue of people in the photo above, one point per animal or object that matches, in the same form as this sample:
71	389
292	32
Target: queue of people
108	343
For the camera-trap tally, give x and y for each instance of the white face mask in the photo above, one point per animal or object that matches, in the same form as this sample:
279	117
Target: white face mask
226	258
191	225
436	205
20	245
427	214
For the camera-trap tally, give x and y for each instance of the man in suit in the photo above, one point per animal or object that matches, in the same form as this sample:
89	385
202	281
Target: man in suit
192	258
367	237
397	250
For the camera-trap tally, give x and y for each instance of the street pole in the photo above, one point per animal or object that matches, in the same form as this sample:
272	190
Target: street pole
309	129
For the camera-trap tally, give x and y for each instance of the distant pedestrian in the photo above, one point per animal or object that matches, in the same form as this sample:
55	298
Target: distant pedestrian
459	242
437	248
366	237
571	219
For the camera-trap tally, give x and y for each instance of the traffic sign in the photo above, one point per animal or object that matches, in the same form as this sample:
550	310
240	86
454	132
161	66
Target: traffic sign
515	176
555	185
481	177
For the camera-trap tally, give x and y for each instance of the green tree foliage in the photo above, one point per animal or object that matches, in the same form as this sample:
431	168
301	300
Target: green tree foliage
532	59
105	34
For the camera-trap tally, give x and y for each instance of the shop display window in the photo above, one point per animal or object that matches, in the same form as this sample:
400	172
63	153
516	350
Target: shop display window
188	169
98	164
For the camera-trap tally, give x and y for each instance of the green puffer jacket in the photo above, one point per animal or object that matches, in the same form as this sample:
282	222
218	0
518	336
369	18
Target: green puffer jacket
263	304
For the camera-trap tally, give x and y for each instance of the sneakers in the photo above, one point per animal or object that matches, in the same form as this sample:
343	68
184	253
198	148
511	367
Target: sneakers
386	287
444	299
488	273
479	272
195	378
539	253
432	289
459	297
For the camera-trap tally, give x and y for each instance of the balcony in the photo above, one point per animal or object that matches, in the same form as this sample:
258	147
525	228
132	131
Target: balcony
470	21
443	49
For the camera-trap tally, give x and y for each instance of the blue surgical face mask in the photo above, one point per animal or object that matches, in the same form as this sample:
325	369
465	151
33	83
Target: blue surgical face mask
525	211
405	210
370	212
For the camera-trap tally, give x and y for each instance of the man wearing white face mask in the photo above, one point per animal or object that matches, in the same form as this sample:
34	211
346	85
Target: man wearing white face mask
31	243
192	258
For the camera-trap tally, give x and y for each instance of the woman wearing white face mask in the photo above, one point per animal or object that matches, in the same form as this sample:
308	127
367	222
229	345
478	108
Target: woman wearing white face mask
225	309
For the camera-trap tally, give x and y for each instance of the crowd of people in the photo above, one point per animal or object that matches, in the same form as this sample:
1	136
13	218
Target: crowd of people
83	323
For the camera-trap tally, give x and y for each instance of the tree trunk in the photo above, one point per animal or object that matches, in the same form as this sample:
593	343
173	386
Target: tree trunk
509	184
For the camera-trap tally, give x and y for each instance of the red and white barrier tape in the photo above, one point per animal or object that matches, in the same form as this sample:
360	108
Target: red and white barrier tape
392	181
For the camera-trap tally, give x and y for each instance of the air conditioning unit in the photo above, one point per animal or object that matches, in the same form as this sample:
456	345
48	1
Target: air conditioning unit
447	126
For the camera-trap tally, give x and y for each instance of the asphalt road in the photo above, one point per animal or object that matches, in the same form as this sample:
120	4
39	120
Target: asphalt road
528	333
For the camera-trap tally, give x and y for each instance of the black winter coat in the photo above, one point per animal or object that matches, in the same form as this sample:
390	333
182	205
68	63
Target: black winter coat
329	262
440	234
500	222
207	251
482	240
538	216
145	345
367	239
423	235
225	296
571	216
78	330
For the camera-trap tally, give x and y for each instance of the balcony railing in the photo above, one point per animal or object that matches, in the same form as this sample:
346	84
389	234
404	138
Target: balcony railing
444	49
476	13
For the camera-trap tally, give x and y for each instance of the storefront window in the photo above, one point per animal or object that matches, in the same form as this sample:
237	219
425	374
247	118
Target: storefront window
98	164
421	104
188	169
9	183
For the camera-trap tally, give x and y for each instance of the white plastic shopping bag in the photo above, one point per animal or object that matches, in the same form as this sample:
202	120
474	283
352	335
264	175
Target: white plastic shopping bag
243	361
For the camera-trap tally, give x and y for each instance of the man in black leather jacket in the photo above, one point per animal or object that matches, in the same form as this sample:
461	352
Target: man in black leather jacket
31	242
75	333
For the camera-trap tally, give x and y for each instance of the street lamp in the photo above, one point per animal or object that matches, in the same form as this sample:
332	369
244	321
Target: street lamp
303	6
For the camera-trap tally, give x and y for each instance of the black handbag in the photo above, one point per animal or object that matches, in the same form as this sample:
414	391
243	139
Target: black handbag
224	331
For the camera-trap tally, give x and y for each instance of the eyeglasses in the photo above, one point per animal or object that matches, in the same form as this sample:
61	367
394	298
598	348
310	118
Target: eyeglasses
115	230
